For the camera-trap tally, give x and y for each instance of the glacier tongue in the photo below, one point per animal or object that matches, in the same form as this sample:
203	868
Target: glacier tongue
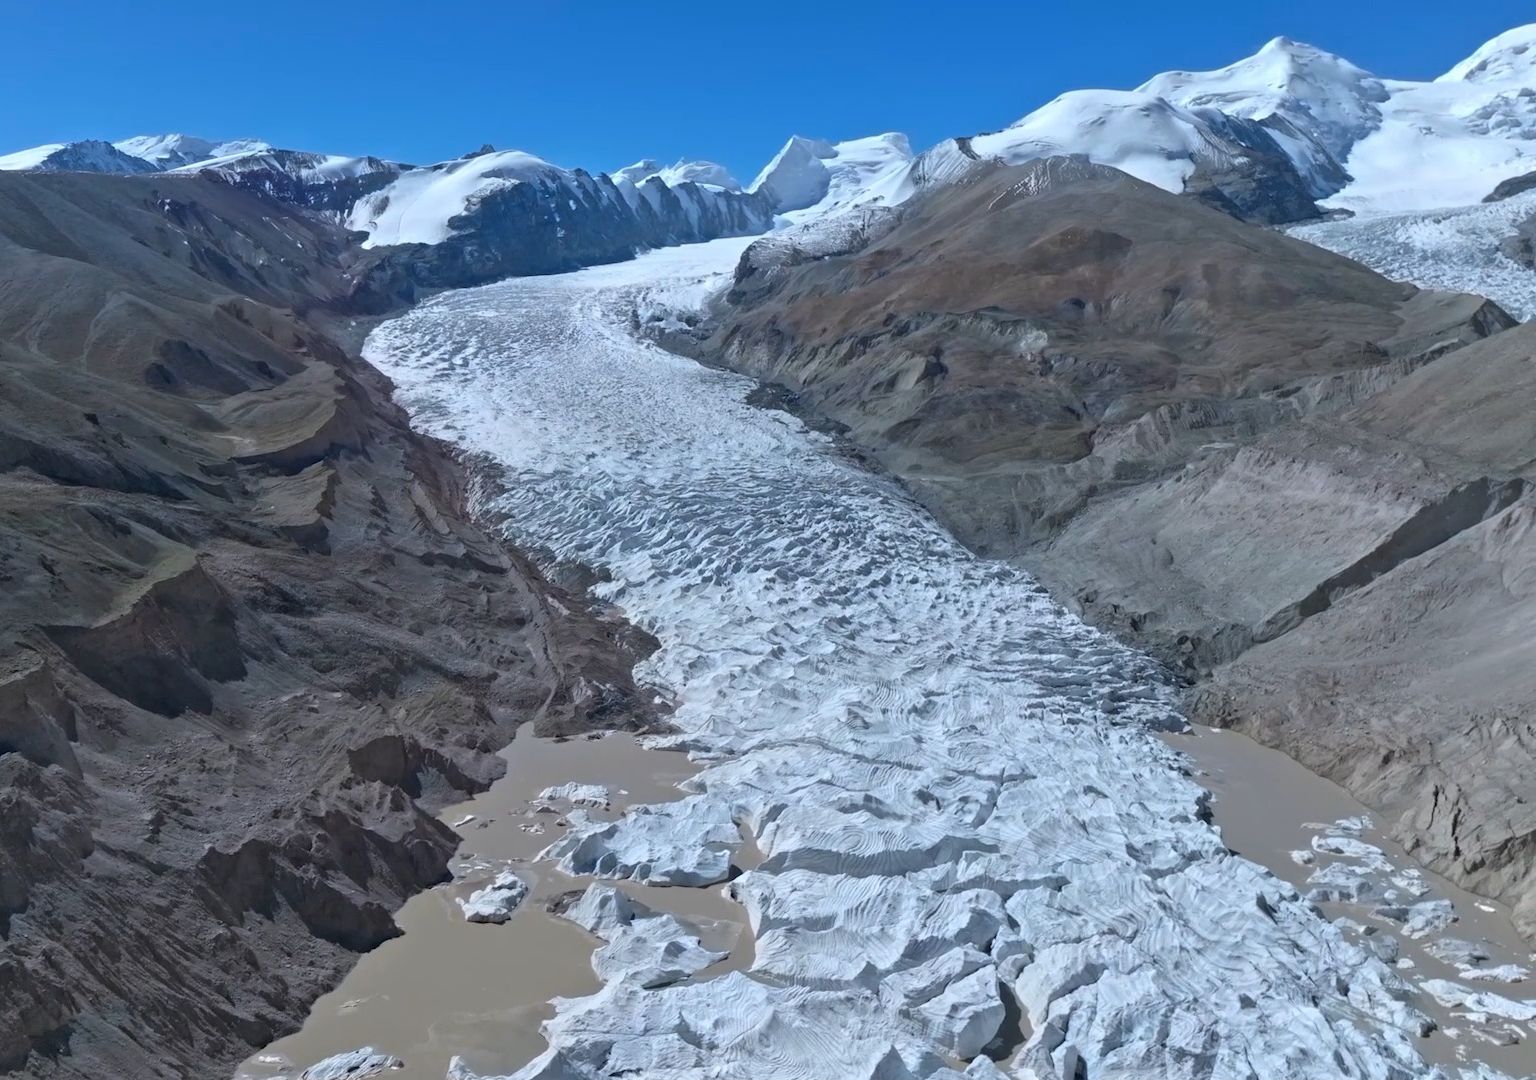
974	845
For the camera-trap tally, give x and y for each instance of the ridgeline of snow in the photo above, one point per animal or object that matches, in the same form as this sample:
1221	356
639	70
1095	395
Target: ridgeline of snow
302	165
1136	132
175	150
697	172
1291	117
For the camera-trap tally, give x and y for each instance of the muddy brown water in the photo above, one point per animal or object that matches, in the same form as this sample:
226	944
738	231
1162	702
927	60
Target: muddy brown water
447	987
1268	806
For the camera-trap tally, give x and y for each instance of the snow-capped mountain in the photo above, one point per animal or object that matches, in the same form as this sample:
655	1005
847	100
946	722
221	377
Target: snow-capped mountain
497	213
1277	137
87	155
140	154
1274	137
175	150
1451	141
1319	102
817	177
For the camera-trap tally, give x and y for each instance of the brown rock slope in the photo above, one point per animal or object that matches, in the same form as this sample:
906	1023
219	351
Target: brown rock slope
1252	456
247	634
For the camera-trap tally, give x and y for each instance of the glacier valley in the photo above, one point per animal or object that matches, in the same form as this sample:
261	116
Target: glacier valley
979	857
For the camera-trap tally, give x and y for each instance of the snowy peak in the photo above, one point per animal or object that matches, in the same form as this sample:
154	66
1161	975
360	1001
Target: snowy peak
1508	58
796	177
817	176
1321	95
87	155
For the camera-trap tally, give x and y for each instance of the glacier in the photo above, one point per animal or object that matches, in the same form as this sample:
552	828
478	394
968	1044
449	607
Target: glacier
978	857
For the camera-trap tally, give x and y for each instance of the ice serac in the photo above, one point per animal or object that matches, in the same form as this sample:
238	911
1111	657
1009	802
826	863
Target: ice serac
682	843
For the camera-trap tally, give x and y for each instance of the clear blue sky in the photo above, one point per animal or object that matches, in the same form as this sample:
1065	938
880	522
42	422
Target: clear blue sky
600	84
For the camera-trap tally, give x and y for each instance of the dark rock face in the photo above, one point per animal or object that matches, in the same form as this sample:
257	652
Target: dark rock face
552	228
1515	185
296	177
248	636
1271	467
1521	244
1253	179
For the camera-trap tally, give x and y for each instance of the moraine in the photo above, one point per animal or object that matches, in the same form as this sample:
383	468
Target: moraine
975	844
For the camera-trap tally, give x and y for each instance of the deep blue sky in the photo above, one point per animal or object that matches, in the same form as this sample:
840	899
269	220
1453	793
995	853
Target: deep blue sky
600	84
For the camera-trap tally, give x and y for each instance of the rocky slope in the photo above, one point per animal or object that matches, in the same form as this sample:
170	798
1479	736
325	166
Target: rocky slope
1207	436
248	636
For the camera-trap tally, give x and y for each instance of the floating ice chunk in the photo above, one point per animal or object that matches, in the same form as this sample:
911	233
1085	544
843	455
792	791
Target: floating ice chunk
1457	951
652	948
463	821
497	901
1510	973
1421	919
1303	858
1350	848
1350	826
1453	994
594	795
1378	992
679	843
1342	883
352	1065
1428	917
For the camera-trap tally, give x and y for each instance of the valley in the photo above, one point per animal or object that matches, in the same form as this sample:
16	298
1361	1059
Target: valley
1055	603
